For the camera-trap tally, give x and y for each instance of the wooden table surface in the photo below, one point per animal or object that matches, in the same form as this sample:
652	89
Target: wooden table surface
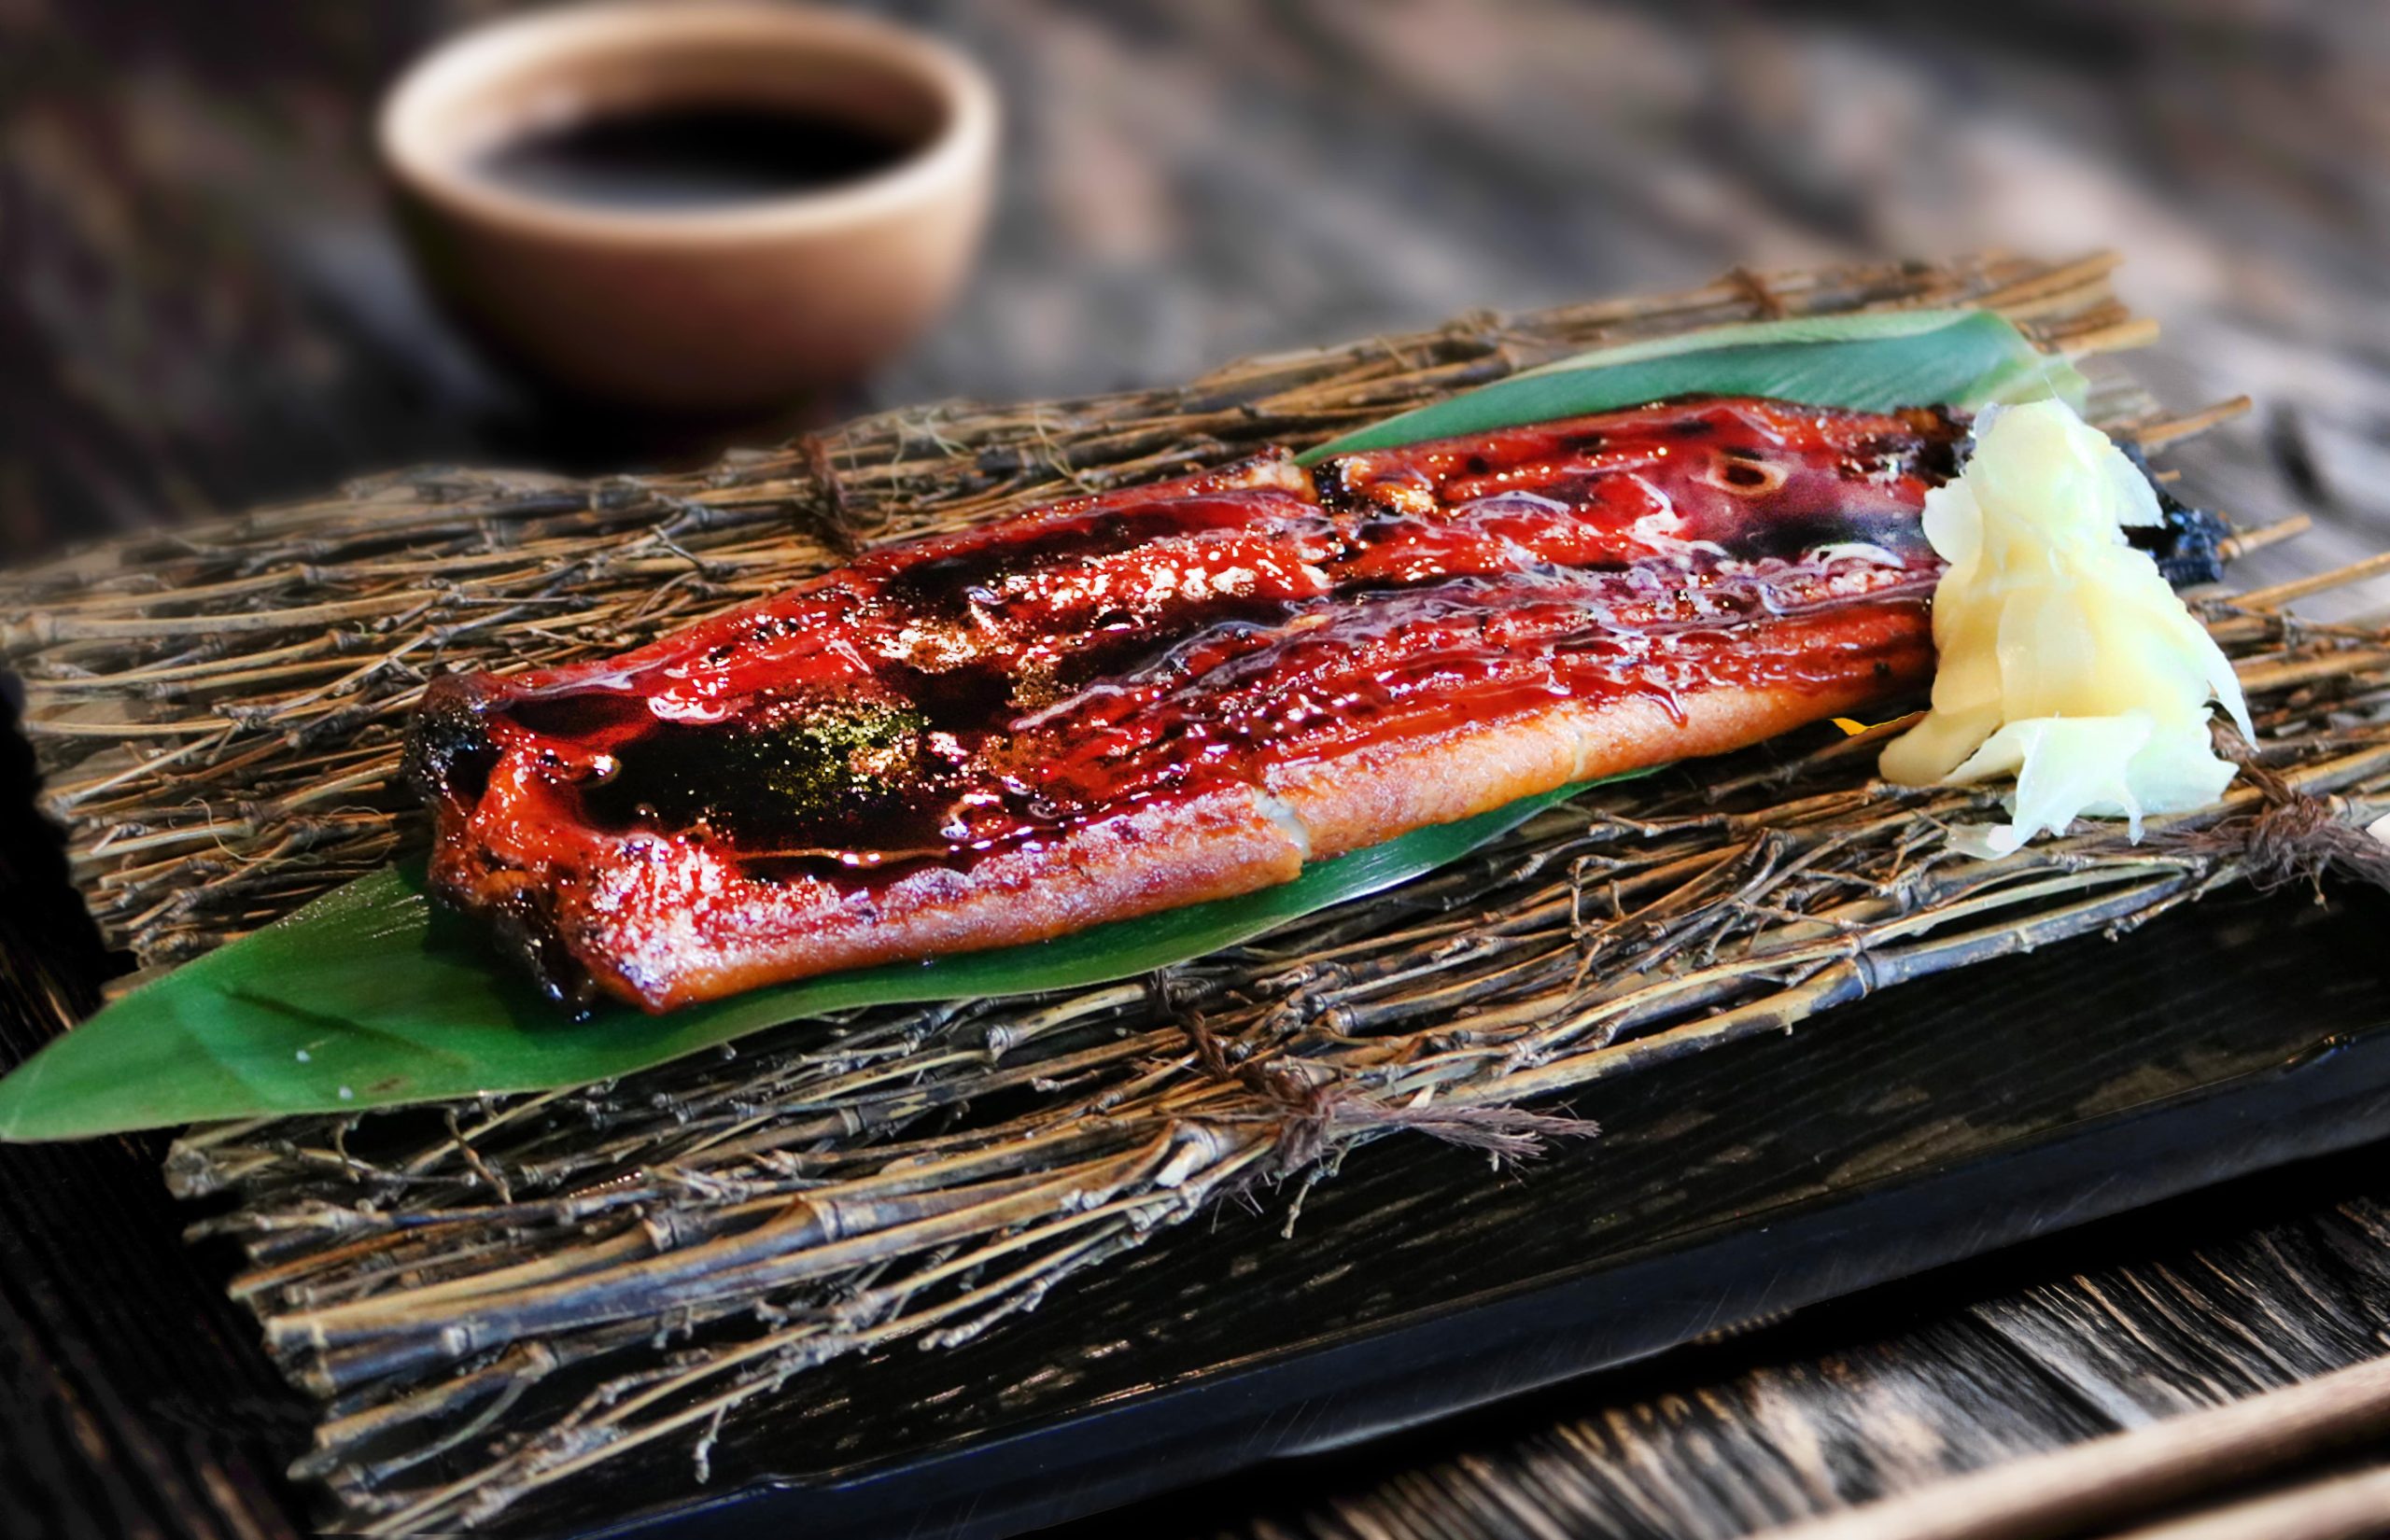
202	308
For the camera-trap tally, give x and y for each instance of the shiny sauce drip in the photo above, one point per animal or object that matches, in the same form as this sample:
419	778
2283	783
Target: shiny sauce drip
939	701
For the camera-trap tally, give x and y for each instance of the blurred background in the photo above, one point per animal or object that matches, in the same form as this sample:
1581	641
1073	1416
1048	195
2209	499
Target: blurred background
204	307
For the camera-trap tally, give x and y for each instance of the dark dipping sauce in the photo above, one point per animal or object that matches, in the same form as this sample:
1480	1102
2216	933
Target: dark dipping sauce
693	157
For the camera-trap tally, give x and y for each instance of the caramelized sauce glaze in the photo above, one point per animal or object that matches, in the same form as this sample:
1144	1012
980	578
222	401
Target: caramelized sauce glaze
937	701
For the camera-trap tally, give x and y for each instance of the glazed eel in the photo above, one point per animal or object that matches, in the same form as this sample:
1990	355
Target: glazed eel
1180	691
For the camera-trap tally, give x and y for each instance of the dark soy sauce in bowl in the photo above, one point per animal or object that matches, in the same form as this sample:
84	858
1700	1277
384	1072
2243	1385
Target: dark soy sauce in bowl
713	208
694	157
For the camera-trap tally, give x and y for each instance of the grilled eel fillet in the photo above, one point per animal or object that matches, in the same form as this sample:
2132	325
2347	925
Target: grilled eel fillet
1181	691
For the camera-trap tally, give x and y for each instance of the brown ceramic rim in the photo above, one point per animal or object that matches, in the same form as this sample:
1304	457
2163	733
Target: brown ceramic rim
421	147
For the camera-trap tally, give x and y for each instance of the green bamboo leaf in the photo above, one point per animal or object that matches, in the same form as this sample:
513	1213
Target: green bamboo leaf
1868	363
376	996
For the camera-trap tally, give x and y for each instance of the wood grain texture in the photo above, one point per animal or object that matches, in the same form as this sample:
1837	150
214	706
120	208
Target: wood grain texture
135	1401
2108	1482
2187	1305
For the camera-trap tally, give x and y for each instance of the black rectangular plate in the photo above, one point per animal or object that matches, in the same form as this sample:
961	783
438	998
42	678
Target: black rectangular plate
1932	1122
